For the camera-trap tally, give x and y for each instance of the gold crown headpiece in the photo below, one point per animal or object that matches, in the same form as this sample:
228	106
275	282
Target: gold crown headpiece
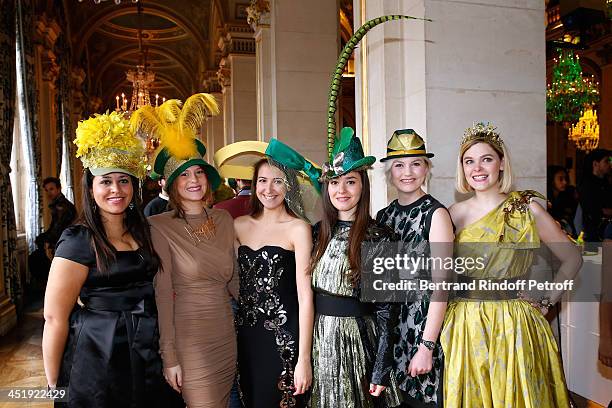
106	144
485	132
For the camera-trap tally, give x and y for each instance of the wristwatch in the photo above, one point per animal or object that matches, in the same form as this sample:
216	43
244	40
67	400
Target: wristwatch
431	345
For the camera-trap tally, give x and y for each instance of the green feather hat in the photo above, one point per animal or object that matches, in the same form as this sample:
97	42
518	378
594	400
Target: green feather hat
346	153
176	125
347	156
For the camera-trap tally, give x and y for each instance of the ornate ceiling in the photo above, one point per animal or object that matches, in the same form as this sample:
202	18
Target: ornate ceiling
179	41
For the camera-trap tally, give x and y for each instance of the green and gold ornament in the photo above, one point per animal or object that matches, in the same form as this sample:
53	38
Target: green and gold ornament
176	125
405	143
346	154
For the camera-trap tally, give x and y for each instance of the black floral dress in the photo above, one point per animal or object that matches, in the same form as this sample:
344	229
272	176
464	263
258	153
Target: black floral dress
412	224
267	327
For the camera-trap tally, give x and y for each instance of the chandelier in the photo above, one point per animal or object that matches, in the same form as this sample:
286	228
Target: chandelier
569	91
585	133
141	79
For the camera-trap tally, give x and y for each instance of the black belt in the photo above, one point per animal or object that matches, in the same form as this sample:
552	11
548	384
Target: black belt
340	306
144	304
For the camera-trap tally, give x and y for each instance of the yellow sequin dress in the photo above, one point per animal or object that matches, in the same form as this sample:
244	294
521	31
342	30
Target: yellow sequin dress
500	353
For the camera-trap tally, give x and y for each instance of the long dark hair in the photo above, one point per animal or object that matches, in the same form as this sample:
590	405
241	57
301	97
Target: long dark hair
134	221
256	205
552	171
358	230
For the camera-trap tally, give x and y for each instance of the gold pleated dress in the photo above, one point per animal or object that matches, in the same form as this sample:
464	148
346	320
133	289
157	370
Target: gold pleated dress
350	351
500	353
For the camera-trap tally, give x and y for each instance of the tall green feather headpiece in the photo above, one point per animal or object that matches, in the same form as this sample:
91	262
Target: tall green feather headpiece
336	81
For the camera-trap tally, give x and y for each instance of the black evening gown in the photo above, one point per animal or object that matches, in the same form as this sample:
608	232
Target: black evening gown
112	356
267	327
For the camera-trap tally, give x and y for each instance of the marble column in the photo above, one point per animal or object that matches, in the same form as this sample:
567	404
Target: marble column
259	18
214	132
296	55
237	77
475	62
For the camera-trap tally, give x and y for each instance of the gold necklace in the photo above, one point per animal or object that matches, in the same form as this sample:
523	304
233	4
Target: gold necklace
202	233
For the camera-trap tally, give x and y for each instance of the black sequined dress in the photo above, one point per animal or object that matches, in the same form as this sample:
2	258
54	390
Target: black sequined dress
267	327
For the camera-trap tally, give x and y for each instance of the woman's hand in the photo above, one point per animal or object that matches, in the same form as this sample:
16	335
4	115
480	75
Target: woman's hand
421	363
302	379
174	377
376	390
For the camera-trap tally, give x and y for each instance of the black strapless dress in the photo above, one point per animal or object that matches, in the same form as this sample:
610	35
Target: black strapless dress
267	327
112	356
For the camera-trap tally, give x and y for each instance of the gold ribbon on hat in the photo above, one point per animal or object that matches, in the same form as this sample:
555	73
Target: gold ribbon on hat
403	152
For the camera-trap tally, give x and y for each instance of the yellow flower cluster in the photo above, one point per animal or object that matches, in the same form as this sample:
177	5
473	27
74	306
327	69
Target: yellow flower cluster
105	131
107	141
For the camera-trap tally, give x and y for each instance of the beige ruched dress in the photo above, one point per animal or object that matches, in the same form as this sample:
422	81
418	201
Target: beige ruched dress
193	292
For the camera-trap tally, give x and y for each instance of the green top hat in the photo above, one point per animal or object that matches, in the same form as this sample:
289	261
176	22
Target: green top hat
405	143
347	156
170	167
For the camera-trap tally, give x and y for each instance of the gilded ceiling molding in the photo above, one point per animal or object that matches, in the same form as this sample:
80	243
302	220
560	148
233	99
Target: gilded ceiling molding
211	83
49	67
111	58
258	13
224	73
77	77
121	33
46	31
104	15
236	39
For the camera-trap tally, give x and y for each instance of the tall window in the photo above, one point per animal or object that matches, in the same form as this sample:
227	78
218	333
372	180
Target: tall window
18	174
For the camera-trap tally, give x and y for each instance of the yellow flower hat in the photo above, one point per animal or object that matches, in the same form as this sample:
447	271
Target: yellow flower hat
106	144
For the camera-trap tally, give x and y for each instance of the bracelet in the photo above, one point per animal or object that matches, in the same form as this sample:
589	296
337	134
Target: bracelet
429	344
545	302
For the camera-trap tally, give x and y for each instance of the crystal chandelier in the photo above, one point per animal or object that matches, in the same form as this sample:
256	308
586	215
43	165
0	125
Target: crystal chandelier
570	90
141	79
585	133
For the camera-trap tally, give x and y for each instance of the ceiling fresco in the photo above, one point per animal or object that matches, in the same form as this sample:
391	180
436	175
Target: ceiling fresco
179	42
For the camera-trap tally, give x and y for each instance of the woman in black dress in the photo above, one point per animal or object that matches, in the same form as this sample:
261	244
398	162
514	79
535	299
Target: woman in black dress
100	339
275	307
